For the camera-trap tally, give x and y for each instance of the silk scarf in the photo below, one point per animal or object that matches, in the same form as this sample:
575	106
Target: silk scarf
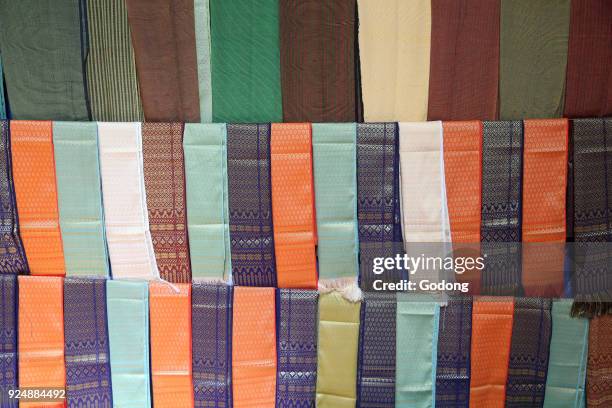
245	60
296	321
317	61
88	375
463	78
36	194
44	54
205	150
211	323
567	362
164	176
41	335
376	369
335	181
544	210
202	41
171	363
533	58
112	84
454	354
589	57
337	351
250	205
128	331
293	207
254	348
13	259
416	351
500	233
8	339
599	367
378	199
79	198
531	331
125	203
492	320
163	36
394	50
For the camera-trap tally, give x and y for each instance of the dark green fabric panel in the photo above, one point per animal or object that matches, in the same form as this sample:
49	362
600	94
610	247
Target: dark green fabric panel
2	104
533	58
43	55
245	61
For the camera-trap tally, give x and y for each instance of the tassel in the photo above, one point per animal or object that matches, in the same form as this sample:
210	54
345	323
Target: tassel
347	287
591	309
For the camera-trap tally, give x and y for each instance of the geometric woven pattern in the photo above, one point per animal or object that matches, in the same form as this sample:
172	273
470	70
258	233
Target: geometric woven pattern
8	339
599	369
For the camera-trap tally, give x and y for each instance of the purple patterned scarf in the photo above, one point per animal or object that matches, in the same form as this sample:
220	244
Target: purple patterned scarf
8	339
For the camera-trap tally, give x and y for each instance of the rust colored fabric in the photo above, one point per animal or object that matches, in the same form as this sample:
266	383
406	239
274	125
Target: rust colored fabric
254	347
293	208
41	335
164	174
163	36
492	320
317	55
544	211
599	366
36	192
464	69
170	317
588	88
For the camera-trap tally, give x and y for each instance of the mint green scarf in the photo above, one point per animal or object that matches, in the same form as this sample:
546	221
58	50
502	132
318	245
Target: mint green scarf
202	35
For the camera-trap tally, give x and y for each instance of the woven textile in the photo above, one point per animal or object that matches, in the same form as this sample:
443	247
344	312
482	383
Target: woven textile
164	176
317	60
43	52
88	375
128	331
254	348
245	59
394	51
202	41
207	200
454	354
211	323
378	199
79	195
8	339
464	72
492	320
589	60
416	351
293	206
112	83
163	35
376	369
296	322
35	190
3	112
337	351
599	368
335	181
533	58
171	363
250	205
13	259
125	203
502	167
567	362
528	364
41	335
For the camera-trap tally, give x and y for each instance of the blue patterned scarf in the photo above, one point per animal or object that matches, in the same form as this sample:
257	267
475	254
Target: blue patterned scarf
8	339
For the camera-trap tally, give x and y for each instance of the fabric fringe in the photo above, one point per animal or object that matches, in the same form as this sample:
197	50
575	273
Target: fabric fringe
347	287
591	309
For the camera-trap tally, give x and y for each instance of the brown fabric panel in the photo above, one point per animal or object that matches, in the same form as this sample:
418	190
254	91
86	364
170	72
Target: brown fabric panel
599	368
464	69
589	66
317	42
163	35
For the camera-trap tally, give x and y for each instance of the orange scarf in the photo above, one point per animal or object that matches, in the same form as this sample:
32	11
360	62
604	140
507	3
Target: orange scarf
544	190
293	208
254	347
36	192
491	338
41	335
170	316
